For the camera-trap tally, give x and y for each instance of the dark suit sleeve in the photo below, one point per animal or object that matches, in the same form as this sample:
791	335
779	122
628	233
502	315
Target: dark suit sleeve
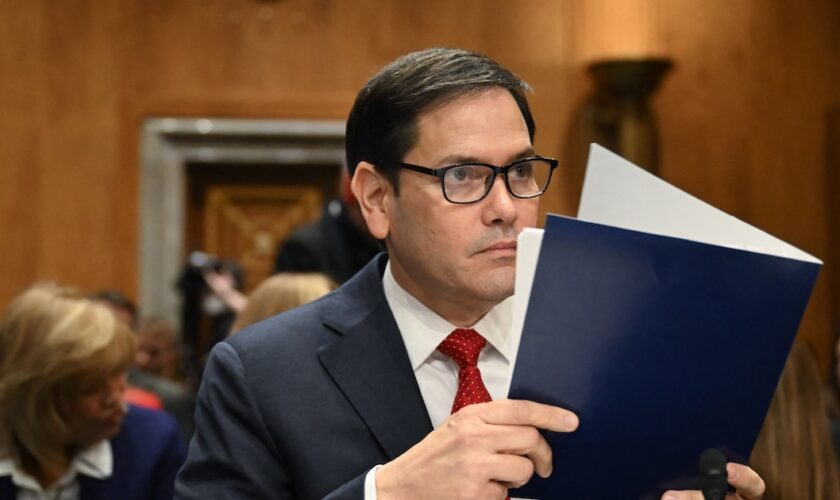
232	454
353	490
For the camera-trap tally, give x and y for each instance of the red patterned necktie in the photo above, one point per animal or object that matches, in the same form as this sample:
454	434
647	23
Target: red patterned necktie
464	345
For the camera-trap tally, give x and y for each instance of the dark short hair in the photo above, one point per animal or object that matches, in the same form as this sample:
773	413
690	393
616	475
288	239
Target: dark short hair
117	300
383	122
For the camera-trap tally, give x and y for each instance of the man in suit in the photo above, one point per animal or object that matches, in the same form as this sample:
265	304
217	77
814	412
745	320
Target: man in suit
350	396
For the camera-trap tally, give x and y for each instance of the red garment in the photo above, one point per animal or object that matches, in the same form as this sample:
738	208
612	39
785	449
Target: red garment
144	398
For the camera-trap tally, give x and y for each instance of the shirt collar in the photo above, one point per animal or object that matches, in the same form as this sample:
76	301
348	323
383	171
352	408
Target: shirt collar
95	461
423	330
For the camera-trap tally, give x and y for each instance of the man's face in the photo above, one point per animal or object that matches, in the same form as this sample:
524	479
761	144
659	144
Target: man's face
153	352
459	260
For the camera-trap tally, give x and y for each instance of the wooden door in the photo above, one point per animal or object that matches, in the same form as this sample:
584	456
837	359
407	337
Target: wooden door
241	214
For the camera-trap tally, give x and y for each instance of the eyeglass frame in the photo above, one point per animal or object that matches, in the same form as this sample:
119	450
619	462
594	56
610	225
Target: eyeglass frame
440	172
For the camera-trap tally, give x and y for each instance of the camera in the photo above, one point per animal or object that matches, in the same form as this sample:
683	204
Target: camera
201	261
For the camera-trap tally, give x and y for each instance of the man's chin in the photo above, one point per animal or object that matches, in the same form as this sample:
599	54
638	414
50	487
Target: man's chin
498	284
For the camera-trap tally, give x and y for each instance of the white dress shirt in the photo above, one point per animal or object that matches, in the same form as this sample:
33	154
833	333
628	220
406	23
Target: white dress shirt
96	461
423	330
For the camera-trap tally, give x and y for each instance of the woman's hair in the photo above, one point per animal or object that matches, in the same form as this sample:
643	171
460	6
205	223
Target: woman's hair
794	453
834	381
280	293
55	346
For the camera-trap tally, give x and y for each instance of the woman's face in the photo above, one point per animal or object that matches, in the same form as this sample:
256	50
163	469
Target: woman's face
99	412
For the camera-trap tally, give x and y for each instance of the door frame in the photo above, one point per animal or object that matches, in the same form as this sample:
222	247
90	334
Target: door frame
168	144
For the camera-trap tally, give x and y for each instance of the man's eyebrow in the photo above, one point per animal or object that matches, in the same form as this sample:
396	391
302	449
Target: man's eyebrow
455	159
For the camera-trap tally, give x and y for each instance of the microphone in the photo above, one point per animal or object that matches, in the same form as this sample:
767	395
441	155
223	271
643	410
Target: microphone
712	466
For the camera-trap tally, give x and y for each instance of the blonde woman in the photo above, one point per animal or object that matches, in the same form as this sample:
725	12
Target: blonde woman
280	293
65	432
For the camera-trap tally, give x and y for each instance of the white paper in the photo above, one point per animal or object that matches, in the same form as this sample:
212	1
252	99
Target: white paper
527	253
618	193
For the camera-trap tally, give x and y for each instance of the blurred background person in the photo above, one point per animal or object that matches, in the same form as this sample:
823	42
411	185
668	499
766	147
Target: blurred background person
280	293
158	352
338	244
794	454
65	431
122	307
223	284
206	317
833	395
147	385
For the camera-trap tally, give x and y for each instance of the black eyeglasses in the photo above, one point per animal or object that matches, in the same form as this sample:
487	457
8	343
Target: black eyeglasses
470	182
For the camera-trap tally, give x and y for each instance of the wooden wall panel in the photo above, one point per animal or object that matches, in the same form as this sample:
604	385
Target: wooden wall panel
832	192
20	147
742	115
79	171
537	40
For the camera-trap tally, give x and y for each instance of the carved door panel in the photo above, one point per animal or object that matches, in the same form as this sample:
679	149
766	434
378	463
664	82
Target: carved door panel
241	214
246	224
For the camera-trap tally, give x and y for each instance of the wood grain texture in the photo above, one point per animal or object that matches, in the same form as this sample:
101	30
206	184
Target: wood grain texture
832	193
742	116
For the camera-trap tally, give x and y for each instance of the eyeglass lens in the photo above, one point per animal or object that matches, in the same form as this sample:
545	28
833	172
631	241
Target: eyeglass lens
468	183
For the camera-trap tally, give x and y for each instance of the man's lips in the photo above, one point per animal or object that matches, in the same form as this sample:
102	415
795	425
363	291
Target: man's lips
503	247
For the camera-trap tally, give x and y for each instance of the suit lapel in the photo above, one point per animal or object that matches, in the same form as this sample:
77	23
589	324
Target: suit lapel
370	365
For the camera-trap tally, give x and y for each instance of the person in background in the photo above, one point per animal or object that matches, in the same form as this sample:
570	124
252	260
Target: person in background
794	453
122	307
832	392
65	431
280	293
157	349
338	244
126	312
172	397
223	286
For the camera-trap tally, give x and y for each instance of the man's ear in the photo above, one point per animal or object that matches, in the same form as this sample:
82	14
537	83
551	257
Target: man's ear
374	193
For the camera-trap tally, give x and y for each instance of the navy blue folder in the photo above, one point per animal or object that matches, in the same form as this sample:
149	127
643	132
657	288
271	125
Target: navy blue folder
663	346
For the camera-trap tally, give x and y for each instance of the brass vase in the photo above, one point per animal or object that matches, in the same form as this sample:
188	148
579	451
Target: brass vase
617	114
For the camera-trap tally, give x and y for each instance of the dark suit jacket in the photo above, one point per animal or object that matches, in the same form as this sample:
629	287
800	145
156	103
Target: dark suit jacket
302	405
148	451
332	245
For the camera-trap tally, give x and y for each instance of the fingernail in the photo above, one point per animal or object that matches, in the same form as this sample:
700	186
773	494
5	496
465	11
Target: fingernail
732	472
571	421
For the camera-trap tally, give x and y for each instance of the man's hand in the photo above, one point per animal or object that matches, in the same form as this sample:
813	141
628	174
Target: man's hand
223	284
479	452
748	485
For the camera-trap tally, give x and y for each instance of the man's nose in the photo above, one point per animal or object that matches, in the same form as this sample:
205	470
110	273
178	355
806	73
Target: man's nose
500	207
